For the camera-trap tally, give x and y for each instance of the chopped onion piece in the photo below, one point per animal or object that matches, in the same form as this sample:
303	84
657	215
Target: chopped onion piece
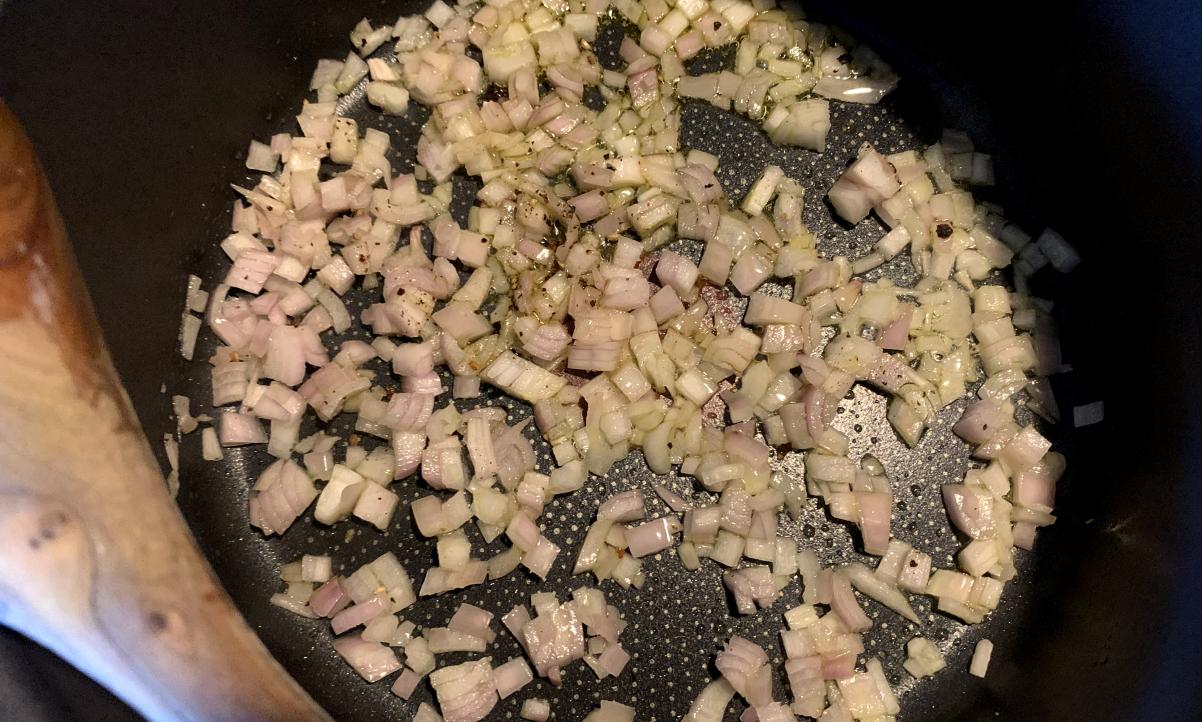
372	660
536	710
466	692
923	658
611	712
873	586
512	676
406	684
981	655
211	446
651	537
711	703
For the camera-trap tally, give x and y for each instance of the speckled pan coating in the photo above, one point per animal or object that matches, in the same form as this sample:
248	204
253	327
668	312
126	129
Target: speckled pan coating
680	618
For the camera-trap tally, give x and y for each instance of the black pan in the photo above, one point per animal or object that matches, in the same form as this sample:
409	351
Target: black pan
141	112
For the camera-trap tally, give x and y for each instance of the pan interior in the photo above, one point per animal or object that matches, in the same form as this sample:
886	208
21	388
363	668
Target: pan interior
680	618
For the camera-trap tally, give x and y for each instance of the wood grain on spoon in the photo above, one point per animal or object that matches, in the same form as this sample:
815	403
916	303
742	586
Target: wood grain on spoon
98	563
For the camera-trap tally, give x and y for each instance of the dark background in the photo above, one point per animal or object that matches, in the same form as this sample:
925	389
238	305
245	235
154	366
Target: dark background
1093	111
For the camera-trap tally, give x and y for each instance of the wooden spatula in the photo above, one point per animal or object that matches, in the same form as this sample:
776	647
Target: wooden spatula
96	562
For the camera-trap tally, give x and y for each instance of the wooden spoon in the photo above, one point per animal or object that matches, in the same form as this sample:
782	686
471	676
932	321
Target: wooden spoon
97	563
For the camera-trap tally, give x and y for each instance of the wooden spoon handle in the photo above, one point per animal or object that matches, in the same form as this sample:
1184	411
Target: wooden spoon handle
97	563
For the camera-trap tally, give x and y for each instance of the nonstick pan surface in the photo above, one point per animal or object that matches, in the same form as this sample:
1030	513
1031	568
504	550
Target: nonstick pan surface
1081	627
679	618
